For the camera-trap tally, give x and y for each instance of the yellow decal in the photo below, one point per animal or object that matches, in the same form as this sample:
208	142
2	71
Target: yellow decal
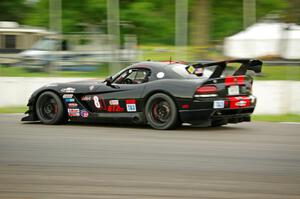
191	69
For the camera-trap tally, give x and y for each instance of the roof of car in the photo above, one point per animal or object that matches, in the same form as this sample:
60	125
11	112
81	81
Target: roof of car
154	64
158	67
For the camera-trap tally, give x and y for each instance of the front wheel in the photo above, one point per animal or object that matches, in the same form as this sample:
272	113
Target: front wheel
161	112
50	109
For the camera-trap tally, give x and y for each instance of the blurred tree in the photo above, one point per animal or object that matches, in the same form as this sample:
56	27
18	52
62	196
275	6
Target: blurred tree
227	16
153	21
265	7
76	14
39	15
293	15
13	10
200	22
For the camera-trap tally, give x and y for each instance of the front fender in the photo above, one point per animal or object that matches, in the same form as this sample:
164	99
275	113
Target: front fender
31	112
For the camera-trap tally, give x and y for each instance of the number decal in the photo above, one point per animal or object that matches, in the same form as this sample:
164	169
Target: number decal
96	102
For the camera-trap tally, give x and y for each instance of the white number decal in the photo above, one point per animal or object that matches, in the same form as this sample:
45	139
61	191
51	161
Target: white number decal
96	101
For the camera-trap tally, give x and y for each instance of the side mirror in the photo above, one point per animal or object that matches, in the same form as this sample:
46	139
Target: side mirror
108	81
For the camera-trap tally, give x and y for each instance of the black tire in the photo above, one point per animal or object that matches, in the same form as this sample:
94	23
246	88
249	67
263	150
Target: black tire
161	112
50	109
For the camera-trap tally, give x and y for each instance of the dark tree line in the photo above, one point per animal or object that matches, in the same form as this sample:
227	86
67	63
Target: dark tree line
152	20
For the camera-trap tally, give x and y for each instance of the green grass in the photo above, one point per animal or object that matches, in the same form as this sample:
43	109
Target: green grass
277	118
159	53
268	72
13	109
279	73
19	72
101	71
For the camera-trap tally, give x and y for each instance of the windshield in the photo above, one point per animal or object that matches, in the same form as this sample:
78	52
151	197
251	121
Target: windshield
181	70
118	73
45	44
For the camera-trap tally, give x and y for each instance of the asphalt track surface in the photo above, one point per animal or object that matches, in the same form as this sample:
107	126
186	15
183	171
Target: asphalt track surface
249	160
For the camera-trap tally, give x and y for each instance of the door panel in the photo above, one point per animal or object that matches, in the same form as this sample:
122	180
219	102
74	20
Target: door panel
115	98
123	95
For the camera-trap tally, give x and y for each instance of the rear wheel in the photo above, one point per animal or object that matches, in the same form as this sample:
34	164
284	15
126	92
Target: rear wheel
161	112
50	109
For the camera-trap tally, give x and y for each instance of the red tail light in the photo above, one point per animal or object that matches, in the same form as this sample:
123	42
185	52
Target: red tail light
206	91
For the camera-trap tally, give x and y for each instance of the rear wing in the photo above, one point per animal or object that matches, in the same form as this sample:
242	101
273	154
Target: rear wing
246	64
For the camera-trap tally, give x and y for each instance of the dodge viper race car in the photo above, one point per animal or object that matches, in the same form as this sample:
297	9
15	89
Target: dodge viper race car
161	94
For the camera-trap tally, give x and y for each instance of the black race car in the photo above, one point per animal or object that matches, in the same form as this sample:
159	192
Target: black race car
161	94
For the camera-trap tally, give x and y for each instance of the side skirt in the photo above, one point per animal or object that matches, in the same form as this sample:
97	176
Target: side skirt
136	117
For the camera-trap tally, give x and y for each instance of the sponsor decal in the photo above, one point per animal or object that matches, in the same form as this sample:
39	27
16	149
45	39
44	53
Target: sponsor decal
191	69
84	113
67	96
68	90
131	105
99	102
219	104
238	102
91	87
160	75
234	90
72	105
69	100
115	109
241	103
73	112
198	71
86	98
113	102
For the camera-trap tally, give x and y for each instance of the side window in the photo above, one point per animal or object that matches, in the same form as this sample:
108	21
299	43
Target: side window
10	41
141	76
133	76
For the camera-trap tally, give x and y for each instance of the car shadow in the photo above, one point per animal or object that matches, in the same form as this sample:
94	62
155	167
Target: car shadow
220	128
147	127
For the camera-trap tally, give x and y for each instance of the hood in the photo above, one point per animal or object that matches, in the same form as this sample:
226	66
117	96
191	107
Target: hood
33	53
84	86
88	82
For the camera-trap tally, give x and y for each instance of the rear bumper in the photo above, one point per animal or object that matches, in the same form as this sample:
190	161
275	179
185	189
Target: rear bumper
209	117
203	113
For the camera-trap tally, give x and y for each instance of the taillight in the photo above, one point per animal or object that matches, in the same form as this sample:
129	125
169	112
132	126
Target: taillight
206	91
